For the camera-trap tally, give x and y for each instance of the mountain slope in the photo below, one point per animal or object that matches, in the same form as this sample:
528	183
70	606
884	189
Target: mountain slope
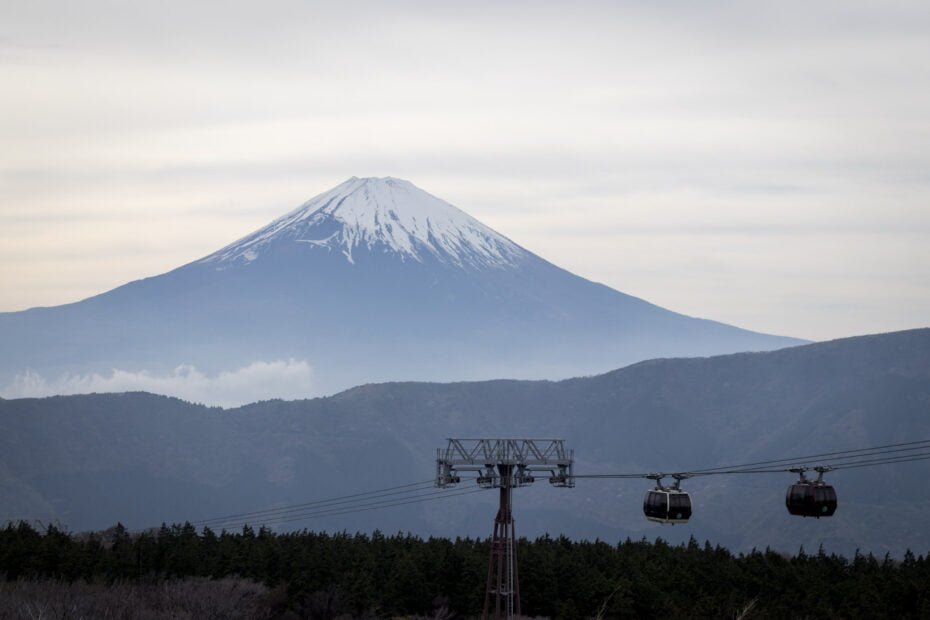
374	280
139	458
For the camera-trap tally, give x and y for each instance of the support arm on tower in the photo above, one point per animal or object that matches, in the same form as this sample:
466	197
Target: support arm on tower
523	458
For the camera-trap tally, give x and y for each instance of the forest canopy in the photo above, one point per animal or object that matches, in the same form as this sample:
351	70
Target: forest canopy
311	574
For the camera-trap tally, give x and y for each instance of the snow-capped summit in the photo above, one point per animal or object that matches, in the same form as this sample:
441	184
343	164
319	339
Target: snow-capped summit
381	215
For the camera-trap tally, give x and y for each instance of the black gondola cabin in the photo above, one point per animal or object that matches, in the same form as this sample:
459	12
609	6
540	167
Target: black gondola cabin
807	498
667	506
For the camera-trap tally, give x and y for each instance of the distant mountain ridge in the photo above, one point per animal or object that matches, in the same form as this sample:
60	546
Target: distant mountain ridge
374	280
139	458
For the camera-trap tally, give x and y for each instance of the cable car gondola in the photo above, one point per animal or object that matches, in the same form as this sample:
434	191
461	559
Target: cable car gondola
811	498
667	504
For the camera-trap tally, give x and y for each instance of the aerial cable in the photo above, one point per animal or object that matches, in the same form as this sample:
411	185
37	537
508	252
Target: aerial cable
612	476
843	456
924	443
335	505
403	503
352	504
271	512
413	486
862	460
911	452
346	511
882	462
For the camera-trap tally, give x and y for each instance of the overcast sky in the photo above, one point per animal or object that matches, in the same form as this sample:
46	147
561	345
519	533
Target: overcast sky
762	164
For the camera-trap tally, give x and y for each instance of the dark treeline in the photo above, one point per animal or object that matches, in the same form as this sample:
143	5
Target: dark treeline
309	574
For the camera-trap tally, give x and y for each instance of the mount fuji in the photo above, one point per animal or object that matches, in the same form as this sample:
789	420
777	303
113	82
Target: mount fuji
374	280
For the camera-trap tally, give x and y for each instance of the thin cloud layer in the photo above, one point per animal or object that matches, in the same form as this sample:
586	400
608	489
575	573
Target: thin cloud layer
287	379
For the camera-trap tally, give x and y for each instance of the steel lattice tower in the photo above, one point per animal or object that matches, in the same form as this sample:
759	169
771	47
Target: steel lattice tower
503	577
504	464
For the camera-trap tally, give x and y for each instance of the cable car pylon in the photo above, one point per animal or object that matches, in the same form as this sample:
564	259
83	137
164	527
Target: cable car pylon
504	464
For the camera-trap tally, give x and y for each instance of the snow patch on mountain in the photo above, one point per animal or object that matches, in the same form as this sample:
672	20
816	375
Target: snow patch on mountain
381	214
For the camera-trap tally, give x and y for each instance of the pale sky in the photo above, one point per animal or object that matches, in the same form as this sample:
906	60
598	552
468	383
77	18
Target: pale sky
762	164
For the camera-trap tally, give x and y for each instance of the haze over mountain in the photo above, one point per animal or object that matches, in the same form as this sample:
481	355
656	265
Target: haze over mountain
373	280
140	459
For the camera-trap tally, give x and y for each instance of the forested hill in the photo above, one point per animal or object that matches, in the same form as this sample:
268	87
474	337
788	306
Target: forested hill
257	574
143	459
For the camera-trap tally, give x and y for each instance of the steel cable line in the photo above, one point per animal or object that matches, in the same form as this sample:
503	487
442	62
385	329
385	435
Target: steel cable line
844	457
883	462
612	476
322	503
923	450
352	504
844	463
916	445
837	463
342	499
283	510
377	506
740	471
400	503
335	505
